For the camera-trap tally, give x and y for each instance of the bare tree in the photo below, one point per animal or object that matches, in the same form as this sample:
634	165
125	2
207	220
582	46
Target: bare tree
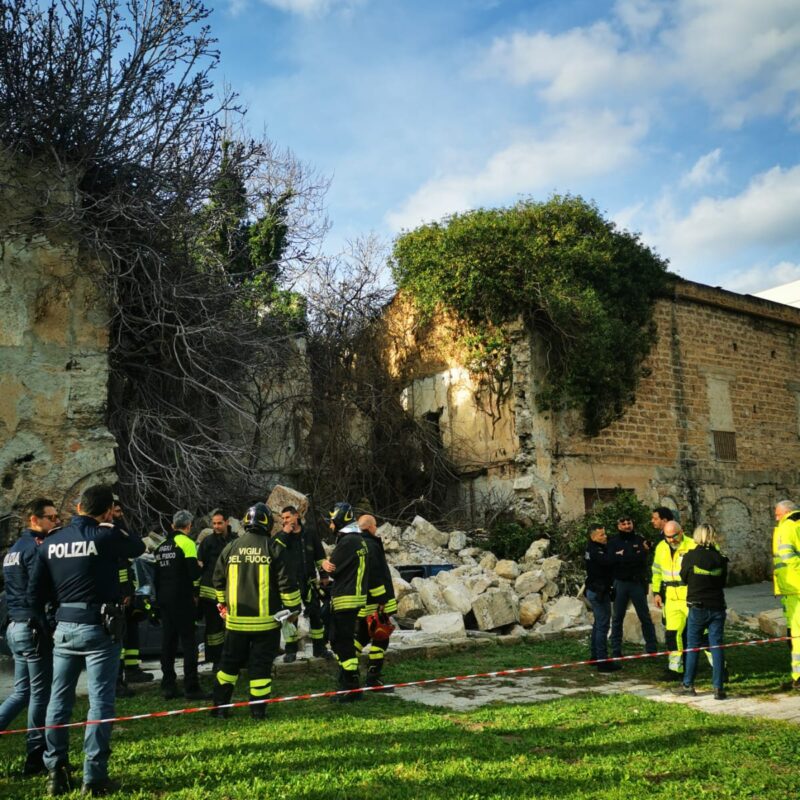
118	98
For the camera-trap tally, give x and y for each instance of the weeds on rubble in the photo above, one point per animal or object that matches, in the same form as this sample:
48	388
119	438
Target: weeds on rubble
580	747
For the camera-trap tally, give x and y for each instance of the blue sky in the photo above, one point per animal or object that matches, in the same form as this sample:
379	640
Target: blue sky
680	119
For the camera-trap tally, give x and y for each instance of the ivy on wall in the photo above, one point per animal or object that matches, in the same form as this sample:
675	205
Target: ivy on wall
582	285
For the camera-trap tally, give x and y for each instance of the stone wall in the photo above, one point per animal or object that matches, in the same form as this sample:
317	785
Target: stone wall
53	357
714	431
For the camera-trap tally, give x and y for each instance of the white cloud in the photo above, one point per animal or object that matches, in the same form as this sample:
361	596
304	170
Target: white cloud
741	57
577	64
311	8
765	214
583	147
761	278
707	170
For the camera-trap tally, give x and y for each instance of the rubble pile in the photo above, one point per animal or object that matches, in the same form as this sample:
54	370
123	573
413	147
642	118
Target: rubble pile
482	592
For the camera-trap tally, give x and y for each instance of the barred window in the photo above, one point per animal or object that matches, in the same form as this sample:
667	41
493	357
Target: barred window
724	445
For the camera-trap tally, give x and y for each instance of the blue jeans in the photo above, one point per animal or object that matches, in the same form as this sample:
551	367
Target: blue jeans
33	670
635	592
75	644
714	621
601	608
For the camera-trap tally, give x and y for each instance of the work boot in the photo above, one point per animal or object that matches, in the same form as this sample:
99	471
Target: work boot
122	689
259	711
223	692
319	650
290	652
136	674
684	691
101	788
609	666
195	692
58	781
374	678
34	763
169	689
719	694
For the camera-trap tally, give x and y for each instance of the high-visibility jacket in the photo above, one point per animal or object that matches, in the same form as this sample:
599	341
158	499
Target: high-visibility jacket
380	590
253	585
349	590
786	555
667	570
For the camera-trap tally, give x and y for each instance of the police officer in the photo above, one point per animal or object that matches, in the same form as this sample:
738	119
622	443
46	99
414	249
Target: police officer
306	554
251	588
77	567
28	634
599	588
373	627
348	567
177	584
208	551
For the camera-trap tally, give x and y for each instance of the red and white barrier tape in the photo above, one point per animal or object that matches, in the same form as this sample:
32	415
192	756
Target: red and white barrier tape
400	685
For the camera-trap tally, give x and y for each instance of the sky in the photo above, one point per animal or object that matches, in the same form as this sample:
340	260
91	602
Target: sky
680	119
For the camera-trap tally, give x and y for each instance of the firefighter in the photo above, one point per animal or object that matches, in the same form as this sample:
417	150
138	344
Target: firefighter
252	587
130	668
177	581
208	552
348	567
786	577
373	627
307	555
669	592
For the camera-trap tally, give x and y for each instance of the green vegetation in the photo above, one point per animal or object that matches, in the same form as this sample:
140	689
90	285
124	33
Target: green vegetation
583	746
586	288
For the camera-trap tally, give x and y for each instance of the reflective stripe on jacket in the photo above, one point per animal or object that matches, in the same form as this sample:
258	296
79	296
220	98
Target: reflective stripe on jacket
667	570
786	555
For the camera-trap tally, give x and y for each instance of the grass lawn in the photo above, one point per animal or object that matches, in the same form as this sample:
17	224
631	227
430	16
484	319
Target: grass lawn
583	746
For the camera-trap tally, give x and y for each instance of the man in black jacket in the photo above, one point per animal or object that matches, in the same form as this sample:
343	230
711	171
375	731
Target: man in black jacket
306	555
380	601
177	583
28	635
348	567
208	551
630	555
599	589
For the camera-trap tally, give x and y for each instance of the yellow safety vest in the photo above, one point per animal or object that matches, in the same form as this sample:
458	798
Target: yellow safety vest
667	569
786	555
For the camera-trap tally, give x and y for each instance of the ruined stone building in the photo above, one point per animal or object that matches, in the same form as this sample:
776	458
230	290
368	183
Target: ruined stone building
714	432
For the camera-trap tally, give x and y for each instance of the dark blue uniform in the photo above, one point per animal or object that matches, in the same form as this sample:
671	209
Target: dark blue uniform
78	567
29	640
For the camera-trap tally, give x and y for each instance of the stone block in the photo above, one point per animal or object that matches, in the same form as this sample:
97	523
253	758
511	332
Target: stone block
457	541
494	609
428	535
431	596
772	623
457	597
410	606
507	569
537	550
551	567
488	561
449	626
530	610
282	496
632	629
566	612
530	582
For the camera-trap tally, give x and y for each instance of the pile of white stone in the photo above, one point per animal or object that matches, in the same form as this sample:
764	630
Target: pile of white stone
482	591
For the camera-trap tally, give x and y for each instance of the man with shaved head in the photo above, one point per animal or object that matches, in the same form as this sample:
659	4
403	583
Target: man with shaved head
786	576
373	627
669	592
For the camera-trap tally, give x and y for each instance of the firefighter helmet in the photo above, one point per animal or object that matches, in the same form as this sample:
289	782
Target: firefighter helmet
341	515
379	626
258	519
